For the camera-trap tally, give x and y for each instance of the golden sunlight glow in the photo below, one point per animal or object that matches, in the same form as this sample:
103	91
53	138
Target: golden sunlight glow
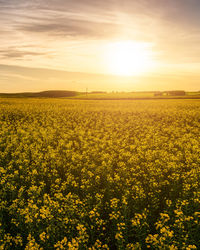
128	58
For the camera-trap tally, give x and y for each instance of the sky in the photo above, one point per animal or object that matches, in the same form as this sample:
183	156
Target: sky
67	44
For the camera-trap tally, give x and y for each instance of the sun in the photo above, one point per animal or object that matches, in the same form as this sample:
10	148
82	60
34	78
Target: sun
127	58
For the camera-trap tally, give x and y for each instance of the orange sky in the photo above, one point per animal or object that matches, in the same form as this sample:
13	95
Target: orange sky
44	43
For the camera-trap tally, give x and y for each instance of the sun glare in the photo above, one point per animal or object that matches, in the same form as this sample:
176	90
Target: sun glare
127	58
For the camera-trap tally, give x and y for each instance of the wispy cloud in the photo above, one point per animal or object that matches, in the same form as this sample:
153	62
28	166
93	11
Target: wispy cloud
71	28
20	79
15	53
66	34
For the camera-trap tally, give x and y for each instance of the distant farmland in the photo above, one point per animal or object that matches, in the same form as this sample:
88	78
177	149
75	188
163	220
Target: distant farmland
47	94
137	95
100	95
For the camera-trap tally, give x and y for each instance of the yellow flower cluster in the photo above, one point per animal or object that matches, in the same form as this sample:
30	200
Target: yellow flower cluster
83	174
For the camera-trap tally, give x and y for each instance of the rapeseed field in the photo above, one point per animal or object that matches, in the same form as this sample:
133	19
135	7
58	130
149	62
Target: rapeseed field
78	174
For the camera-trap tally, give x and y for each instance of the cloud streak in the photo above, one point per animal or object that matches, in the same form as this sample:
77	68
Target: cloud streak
70	35
71	28
14	53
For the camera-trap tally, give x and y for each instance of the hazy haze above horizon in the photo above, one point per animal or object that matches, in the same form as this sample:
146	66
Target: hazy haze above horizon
44	43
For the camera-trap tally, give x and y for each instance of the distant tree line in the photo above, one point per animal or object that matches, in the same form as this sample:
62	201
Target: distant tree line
98	92
170	93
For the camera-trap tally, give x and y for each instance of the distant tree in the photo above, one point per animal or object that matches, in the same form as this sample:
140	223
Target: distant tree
176	93
158	93
98	92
